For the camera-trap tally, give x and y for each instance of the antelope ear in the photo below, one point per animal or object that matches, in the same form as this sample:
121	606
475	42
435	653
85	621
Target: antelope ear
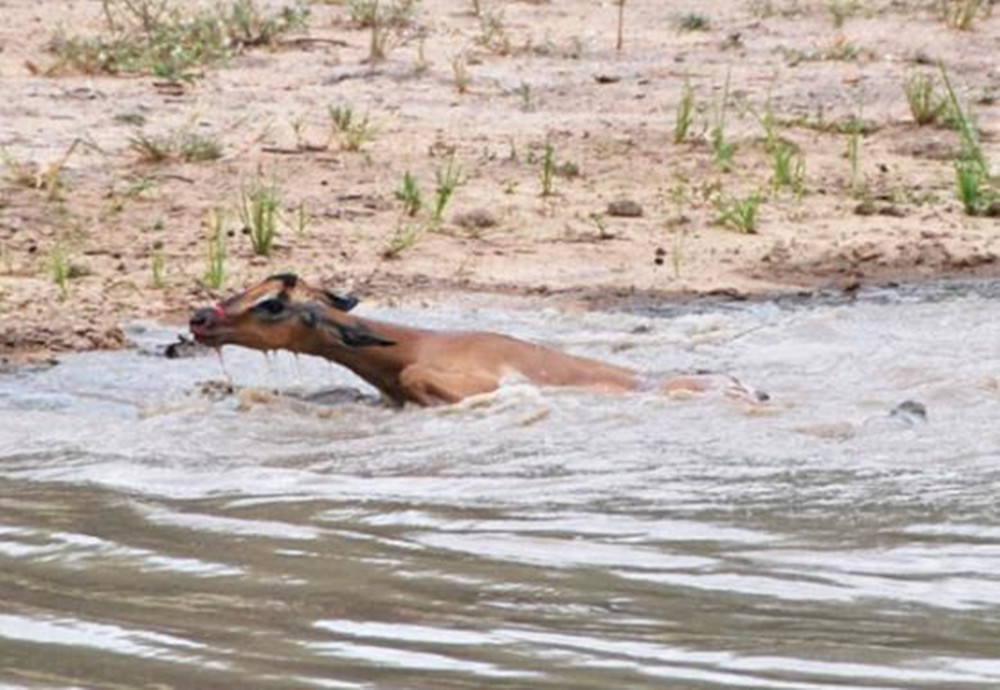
359	336
355	335
342	302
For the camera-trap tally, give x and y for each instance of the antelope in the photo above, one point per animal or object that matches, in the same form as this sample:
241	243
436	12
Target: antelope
412	364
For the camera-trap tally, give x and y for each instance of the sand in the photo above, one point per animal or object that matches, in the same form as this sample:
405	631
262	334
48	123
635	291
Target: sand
629	213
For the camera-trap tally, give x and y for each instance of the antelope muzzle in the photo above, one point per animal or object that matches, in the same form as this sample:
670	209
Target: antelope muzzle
208	325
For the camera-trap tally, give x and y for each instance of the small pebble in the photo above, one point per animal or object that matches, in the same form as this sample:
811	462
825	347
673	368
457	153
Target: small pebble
625	208
476	219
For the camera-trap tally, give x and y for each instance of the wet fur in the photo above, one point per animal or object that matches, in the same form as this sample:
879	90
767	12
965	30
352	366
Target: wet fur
410	364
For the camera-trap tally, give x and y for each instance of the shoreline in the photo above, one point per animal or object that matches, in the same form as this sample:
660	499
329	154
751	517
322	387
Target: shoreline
652	303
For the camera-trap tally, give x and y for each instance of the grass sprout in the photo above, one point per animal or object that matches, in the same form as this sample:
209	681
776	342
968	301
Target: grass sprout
738	213
723	150
926	104
182	144
392	13
524	91
405	237
409	193
692	21
974	190
493	34
460	72
842	10
769	121
353	132
385	20
977	190
962	14
969	135
789	168
677	253
302	219
548	170
448	180
59	265
685	114
215	271
258	209
158	269
855	140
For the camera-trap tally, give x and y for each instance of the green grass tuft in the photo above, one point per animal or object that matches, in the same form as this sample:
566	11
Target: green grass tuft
974	190
409	193
156	38
842	10
977	190
258	209
215	272
962	14
183	145
966	126
59	265
448	180
405	237
739	213
723	150
685	114
926	104
388	13
158	269
692	21
789	167
353	132
548	170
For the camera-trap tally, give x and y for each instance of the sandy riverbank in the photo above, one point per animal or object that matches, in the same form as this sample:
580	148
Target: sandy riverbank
537	73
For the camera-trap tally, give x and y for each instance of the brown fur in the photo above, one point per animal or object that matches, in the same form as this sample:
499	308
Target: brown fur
411	364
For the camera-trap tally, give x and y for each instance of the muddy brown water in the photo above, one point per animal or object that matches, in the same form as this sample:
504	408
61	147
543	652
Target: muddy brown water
151	536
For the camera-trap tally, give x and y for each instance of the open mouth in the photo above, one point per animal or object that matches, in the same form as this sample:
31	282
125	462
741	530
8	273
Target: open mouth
206	336
213	335
208	327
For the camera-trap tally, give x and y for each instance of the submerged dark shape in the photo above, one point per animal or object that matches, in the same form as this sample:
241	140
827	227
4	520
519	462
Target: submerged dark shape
910	412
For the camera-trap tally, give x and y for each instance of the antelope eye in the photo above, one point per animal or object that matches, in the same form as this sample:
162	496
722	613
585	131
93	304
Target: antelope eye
271	307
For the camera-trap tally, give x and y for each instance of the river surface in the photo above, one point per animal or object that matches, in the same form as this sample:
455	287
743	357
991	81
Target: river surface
155	536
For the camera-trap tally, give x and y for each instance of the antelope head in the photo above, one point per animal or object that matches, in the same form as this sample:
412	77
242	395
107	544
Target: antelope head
283	313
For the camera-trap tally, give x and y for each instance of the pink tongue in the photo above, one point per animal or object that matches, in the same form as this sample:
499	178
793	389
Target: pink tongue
219	311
